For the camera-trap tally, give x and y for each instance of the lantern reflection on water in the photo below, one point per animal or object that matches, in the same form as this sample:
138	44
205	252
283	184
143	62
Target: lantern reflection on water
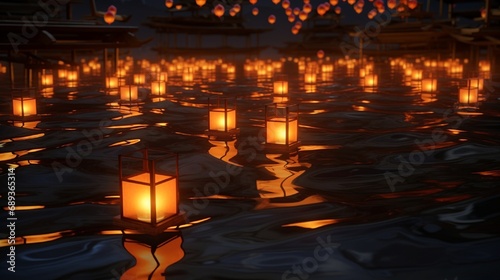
153	254
149	196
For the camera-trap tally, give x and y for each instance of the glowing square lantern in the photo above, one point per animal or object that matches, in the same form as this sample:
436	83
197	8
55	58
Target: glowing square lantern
47	80
281	124
24	106
371	80
158	87
476	82
148	195
310	77
429	85
467	96
129	93
222	118
139	79
111	83
280	85
72	76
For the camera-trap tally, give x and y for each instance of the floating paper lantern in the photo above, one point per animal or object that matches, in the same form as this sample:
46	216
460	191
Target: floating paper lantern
112	9
412	4
158	87
338	10
271	19
255	11
320	54
281	124
276	2
169	3
24	106
285	4
307	7
109	17
219	10
280	85
468	96
253	2
334	2
129	93
391	4
429	85
148	195
201	3
47	80
221	115
139	79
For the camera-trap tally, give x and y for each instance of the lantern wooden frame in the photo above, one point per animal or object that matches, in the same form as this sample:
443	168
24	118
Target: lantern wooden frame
286	115
468	97
131	92
159	88
155	188
227	107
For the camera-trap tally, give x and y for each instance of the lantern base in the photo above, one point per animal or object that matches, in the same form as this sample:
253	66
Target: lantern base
222	135
291	148
146	228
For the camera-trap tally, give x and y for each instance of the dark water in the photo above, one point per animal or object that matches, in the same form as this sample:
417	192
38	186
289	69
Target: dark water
389	183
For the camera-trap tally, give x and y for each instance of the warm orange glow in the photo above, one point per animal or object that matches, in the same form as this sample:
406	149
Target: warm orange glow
334	2
391	4
429	85
219	118
139	79
158	87
62	73
285	4
219	10
47	80
320	54
166	254
109	17
312	224
136	197
276	131
72	76
24	107
201	2
476	82
276	2
169	3
255	11
253	2
338	10
467	95
128	93
302	15
271	19
280	86
412	4
111	82
416	74
371	80
310	77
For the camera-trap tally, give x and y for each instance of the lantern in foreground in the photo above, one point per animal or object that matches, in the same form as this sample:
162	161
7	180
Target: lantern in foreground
282	125
129	93
468	97
149	188
158	88
222	118
24	106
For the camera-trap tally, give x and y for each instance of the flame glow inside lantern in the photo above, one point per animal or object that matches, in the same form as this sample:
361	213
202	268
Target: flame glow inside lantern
416	74
429	85
201	2
128	93
280	85
221	115
338	10
169	3
62	73
334	2
111	82
253	2
371	80
276	2
391	4
139	79
24	107
147	195
163	76
158	87
412	4
320	54
271	19
310	77
285	4
468	95
72	76
109	17
219	10
302	15
476	82
281	129
255	11
47	80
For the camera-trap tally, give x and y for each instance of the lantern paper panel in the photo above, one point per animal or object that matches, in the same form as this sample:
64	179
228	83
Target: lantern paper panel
137	200
24	107
280	86
276	131
129	93
429	85
222	119
158	88
468	96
